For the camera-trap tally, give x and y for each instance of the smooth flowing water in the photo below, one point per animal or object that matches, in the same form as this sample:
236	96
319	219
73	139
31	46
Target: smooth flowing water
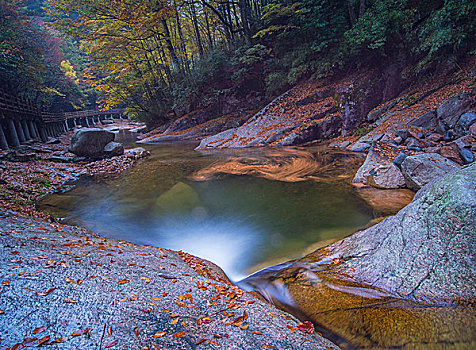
241	209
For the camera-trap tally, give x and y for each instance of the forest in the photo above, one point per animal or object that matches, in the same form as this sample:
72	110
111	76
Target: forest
163	59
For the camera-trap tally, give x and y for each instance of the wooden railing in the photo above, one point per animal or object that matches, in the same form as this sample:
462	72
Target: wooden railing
10	103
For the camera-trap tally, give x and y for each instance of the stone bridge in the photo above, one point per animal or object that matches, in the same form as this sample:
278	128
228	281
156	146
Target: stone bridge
22	121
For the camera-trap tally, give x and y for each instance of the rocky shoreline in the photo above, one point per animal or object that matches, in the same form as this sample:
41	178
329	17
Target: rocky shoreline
78	290
66	286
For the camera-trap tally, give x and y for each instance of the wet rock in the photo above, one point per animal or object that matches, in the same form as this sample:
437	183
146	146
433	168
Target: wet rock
434	138
404	134
376	113
466	155
464	142
342	144
450	110
449	135
421	169
427	120
472	130
59	159
451	151
137	152
107	121
465	122
180	198
115	290
399	160
53	141
113	149
441	129
16	156
90	142
398	140
385	176
359	147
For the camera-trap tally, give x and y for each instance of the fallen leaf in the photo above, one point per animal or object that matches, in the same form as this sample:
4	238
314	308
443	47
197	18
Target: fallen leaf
1	312
306	327
6	283
69	300
146	279
268	347
123	281
257	332
158	334
39	329
61	340
174	321
43	340
46	293
111	344
201	341
179	334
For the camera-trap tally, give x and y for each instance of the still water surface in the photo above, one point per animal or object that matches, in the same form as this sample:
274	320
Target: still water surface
241	209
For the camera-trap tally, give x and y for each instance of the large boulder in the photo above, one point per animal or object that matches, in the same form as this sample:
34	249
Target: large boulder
378	173
90	142
420	169
450	110
427	250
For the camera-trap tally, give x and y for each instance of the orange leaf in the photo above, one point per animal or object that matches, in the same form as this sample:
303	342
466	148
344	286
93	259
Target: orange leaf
46	293
201	341
39	330
179	334
268	347
158	334
69	300
257	332
43	340
306	327
1	312
61	340
111	344
174	321
123	281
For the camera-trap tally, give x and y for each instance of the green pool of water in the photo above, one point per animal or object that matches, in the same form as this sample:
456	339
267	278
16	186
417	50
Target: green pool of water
241	209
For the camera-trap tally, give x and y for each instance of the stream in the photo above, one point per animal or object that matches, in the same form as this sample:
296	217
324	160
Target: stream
251	211
241	209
